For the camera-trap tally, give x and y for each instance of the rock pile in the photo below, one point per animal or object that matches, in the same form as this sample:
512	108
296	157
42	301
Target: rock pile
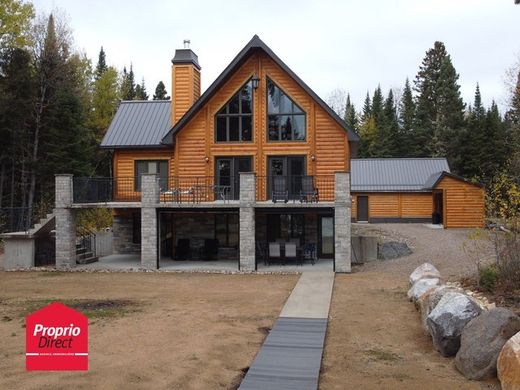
465	325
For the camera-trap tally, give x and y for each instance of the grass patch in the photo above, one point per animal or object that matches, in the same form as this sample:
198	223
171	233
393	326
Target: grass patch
92	308
382	355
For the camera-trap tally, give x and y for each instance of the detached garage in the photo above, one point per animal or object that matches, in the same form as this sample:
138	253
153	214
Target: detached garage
414	190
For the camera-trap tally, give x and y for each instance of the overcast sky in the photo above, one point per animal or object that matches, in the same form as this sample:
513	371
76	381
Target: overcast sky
353	45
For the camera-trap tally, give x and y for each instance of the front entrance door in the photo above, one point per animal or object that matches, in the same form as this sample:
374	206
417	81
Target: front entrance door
227	173
362	209
438	208
292	168
326	237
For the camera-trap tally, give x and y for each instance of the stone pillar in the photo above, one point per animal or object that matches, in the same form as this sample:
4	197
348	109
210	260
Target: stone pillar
342	223
65	223
150	196
247	221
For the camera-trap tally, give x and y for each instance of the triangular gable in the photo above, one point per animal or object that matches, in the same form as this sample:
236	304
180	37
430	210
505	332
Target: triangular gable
435	179
254	44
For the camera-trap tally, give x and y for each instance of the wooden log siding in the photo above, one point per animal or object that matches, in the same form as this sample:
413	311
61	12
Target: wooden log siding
324	137
124	169
396	205
463	203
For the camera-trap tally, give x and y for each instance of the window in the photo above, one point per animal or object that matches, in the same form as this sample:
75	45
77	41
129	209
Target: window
234	122
285	119
151	166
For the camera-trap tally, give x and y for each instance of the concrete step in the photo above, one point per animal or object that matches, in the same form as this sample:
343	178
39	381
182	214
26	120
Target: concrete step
87	260
84	255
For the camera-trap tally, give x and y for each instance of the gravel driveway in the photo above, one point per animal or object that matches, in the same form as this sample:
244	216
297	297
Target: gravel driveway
442	247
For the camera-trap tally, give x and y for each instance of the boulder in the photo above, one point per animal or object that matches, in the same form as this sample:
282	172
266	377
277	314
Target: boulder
425	270
448	319
392	250
482	340
427	302
508	364
421	286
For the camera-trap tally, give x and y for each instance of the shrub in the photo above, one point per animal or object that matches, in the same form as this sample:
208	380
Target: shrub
488	277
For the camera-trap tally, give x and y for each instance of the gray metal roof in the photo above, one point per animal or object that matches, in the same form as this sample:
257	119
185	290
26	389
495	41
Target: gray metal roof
395	174
139	124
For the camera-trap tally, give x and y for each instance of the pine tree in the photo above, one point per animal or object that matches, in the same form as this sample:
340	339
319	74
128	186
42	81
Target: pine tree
160	92
390	140
127	85
366	128
406	122
375	145
450	114
101	65
351	115
426	83
471	143
140	91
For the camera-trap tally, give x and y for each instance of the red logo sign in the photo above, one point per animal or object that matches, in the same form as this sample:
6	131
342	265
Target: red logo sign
56	338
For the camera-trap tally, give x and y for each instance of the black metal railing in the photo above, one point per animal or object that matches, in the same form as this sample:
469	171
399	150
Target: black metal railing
302	188
104	189
199	189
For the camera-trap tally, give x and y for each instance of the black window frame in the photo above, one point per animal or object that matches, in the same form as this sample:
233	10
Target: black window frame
228	115
163	180
291	114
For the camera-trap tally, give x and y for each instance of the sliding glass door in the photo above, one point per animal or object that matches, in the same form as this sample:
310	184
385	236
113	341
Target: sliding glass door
293	168
227	174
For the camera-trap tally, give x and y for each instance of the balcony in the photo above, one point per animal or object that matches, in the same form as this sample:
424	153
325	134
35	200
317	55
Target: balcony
185	190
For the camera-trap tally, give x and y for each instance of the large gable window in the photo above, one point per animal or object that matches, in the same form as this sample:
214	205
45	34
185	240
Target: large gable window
285	119
234	122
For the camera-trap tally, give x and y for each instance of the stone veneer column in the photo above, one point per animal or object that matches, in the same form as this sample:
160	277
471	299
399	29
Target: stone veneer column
342	222
150	194
247	221
65	223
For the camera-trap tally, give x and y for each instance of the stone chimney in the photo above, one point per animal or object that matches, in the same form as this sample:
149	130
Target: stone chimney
185	81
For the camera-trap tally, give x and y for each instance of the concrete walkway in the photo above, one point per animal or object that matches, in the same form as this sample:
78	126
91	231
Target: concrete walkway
290	357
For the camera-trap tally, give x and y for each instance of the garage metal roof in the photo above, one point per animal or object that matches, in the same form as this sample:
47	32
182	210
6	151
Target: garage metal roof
139	124
395	174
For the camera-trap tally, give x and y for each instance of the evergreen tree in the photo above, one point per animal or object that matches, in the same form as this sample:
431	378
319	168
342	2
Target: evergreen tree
160	92
101	65
351	115
17	93
367	109
406	122
471	142
390	137
427	110
450	114
127	85
376	138
366	128
140	91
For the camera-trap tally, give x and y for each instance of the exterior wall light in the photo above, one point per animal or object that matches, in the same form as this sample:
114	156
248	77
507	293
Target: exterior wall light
313	157
206	158
255	81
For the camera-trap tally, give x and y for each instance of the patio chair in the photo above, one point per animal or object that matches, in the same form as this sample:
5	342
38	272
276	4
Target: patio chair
308	192
309	253
183	250
261	251
210	249
274	253
280	191
290	252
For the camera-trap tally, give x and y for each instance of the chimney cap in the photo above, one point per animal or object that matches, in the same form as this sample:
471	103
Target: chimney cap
186	56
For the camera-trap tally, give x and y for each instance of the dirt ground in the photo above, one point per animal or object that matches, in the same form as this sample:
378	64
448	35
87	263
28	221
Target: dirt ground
200	331
183	331
374	338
